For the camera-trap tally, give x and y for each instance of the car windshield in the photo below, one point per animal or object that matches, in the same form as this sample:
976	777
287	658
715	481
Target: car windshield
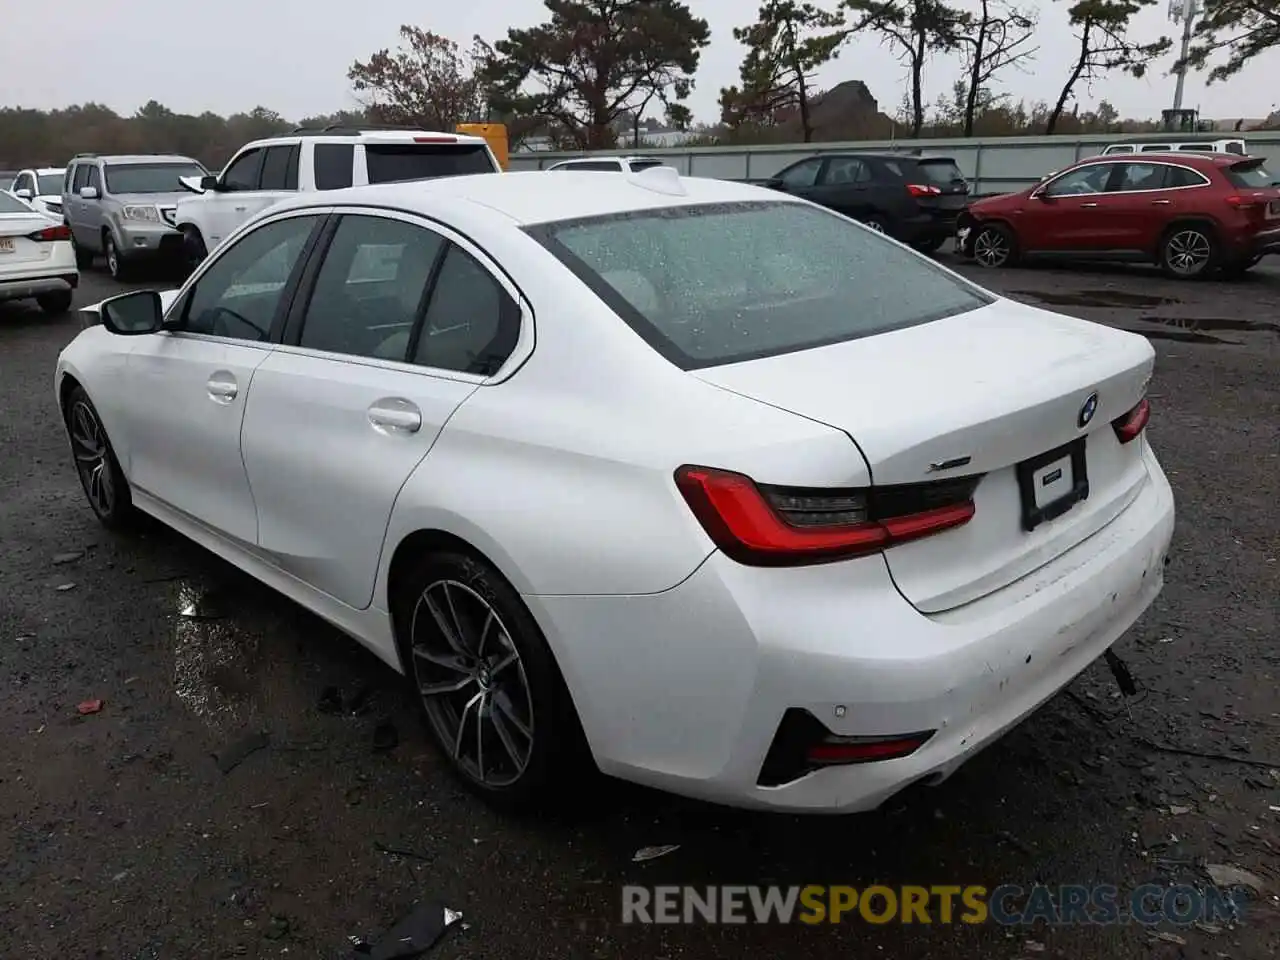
388	163
1251	175
149	177
50	184
720	283
11	204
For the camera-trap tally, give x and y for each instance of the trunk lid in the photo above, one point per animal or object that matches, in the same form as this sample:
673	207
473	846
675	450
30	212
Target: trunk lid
16	249
1000	386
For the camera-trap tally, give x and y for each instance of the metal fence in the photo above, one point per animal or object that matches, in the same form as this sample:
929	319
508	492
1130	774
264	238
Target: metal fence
993	165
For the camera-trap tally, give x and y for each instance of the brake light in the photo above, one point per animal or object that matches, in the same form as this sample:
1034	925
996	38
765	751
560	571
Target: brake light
1244	203
786	526
435	139
1132	423
49	234
923	190
802	744
863	749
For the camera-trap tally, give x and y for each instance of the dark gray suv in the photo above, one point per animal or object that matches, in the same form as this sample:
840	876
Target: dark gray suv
122	207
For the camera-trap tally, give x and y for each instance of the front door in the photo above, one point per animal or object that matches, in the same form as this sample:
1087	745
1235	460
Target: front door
1066	214
372	367
229	206
188	386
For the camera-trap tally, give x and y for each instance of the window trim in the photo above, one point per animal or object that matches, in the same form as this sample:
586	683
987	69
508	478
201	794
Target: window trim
525	338
175	317
1132	158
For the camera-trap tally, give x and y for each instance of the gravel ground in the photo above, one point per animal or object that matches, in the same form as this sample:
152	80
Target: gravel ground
123	839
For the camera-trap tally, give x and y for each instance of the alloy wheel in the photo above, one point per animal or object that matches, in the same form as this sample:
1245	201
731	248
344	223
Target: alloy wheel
113	257
875	225
1188	252
472	682
92	455
991	248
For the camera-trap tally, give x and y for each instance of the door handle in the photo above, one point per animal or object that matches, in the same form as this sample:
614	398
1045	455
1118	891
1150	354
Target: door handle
222	387
241	209
394	415
1160	202
1087	206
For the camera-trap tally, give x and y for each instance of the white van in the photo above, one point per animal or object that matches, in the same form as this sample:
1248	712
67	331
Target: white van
1178	146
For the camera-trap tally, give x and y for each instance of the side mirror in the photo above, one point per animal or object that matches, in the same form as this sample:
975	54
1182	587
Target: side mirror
208	182
773	183
133	314
88	193
23	194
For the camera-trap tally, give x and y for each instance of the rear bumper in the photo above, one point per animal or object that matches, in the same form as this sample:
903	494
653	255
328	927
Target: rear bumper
29	287
929	228
1265	243
685	690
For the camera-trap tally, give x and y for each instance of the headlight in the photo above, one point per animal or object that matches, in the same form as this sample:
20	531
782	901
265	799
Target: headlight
150	214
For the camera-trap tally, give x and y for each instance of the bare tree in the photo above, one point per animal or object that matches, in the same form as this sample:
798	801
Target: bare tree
998	36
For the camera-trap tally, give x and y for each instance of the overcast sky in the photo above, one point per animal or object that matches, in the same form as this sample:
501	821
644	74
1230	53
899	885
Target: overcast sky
292	56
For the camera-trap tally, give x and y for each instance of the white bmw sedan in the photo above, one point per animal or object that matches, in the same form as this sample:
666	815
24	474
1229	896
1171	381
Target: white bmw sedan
706	487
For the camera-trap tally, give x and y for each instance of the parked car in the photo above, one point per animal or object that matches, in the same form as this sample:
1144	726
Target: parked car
42	188
671	561
913	198
1233	145
1191	214
608	164
6	180
123	208
266	171
36	259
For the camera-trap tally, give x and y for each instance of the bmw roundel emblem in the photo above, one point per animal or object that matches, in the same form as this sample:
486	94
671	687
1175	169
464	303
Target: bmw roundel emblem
1087	411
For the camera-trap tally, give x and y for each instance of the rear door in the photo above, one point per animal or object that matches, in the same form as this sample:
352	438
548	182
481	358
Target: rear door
1142	199
400	325
844	185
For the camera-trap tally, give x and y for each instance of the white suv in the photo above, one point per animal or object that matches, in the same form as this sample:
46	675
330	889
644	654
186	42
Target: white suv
41	187
265	172
609	164
1234	145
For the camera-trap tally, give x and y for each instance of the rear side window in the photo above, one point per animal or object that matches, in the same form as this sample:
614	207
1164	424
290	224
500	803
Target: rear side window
942	172
1182	177
1235	146
280	168
333	162
1251	175
721	283
392	162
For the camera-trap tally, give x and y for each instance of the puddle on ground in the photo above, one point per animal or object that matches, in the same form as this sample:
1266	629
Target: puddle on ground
1095	298
1200	324
213	659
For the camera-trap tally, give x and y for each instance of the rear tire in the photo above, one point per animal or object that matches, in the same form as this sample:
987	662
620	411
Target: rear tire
994	246
55	304
1188	252
489	689
193	247
84	258
103	481
877	224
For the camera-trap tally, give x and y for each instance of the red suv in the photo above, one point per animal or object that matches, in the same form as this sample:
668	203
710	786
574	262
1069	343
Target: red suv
1189	213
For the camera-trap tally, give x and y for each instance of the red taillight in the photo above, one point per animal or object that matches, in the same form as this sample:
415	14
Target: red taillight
1132	423
923	190
786	526
435	139
1245	203
60	232
864	749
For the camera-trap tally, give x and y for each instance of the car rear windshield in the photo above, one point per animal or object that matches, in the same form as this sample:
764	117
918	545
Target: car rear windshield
11	204
712	284
941	171
1251	175
50	184
149	177
391	162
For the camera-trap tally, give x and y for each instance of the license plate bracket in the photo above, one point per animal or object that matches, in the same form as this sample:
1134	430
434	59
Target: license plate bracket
7	245
1051	483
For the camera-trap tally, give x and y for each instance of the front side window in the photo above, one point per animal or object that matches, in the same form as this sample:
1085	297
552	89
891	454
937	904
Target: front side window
371	288
802	174
1082	181
711	284
239	294
149	177
242	174
81	179
95	180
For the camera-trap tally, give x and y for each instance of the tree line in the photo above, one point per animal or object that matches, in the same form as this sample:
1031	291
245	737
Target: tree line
596	73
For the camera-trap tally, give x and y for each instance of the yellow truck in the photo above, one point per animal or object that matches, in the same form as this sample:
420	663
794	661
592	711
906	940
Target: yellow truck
494	133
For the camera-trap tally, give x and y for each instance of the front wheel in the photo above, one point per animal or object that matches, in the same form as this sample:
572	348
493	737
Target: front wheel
877	224
994	246
193	246
929	246
487	683
115	263
104	484
1188	252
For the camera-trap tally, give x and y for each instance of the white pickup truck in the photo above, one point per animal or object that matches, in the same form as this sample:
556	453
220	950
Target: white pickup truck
265	172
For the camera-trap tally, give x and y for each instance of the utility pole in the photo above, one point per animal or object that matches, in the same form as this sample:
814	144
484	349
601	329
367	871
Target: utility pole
1185	11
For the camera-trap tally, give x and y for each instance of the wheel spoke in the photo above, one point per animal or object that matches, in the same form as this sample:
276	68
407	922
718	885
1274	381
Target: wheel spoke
505	662
450	661
462	724
499	725
437	614
459	631
489	621
446	686
503	705
480	736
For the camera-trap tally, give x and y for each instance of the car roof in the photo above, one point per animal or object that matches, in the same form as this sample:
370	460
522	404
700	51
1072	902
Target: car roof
137	158
527	197
371	135
42	171
1190	158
